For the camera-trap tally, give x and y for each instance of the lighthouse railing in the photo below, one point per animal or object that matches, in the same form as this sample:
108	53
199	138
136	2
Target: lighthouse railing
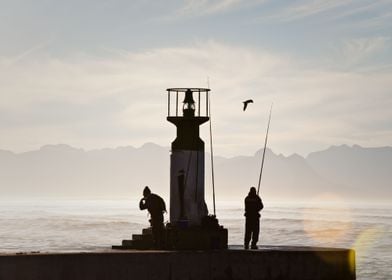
173	109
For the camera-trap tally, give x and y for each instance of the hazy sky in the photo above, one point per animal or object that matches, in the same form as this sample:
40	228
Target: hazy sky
93	74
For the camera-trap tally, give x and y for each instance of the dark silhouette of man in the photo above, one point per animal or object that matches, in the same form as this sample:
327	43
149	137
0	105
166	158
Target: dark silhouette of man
156	207
253	205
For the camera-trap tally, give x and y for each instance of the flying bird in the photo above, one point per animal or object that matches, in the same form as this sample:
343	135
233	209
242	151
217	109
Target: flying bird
246	103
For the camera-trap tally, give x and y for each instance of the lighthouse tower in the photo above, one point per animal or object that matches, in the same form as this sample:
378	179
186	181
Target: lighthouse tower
190	226
187	204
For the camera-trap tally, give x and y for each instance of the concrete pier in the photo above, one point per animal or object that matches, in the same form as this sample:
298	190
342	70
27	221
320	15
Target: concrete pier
266	263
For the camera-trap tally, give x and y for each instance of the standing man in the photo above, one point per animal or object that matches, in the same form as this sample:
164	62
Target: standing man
253	205
156	207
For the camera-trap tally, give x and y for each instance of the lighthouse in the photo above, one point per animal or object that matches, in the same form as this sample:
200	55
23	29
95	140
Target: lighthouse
187	112
189	225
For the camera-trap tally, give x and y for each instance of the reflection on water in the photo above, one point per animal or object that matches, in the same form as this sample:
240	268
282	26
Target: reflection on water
79	225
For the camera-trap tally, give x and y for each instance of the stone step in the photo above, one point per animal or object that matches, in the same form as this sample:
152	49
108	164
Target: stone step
147	237
127	243
137	244
147	231
120	247
142	244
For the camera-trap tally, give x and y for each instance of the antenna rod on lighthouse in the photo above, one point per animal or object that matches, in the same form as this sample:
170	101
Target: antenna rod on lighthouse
265	146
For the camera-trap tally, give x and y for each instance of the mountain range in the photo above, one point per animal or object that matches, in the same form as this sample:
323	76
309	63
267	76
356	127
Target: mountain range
60	171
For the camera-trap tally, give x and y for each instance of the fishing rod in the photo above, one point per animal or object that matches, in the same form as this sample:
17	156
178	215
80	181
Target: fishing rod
265	146
211	149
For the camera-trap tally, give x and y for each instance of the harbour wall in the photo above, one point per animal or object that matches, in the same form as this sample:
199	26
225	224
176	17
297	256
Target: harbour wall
267	263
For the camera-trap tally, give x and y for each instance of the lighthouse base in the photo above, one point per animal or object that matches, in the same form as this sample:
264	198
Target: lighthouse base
196	238
209	235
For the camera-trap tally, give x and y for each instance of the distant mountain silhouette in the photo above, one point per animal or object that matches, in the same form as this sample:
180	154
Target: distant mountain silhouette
62	171
367	171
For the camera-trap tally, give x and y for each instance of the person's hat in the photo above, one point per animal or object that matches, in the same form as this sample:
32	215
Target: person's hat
146	191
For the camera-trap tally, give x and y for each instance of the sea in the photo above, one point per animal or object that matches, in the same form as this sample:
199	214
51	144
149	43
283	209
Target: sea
47	225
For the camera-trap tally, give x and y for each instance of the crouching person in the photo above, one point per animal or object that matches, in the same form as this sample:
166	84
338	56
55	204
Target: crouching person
156	207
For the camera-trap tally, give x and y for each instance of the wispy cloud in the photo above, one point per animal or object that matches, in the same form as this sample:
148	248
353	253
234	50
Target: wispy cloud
362	8
306	8
383	20
196	8
330	10
354	52
315	7
120	99
19	57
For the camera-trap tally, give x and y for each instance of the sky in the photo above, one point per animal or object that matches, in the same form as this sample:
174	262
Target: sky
93	74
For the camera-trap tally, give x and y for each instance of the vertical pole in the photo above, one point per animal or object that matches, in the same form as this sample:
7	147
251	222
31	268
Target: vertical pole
176	103
168	103
212	160
207	98
198	101
207	95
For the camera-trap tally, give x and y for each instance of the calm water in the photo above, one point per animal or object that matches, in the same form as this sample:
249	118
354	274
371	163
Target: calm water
79	225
